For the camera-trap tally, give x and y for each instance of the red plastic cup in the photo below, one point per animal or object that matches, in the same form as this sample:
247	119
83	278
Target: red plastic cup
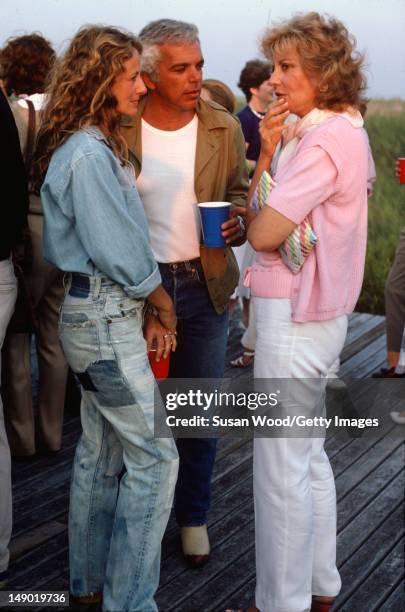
401	161
160	368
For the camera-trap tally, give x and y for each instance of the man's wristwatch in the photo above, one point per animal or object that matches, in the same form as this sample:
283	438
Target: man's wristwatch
242	226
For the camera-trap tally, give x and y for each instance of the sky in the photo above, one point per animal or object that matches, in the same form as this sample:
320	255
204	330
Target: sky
230	30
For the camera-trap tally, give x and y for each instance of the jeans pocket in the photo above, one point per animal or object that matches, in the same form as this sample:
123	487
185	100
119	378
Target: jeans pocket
121	308
79	338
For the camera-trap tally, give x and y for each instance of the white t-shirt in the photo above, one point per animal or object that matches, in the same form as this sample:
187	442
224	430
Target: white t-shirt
166	187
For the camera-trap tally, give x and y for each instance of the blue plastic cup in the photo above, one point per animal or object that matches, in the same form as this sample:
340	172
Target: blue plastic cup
213	215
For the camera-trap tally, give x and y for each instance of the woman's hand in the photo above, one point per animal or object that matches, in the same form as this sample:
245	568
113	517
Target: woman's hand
272	126
160	299
159	337
167	316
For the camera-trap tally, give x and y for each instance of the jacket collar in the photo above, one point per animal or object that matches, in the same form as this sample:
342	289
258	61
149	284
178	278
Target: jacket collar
207	142
203	109
94	130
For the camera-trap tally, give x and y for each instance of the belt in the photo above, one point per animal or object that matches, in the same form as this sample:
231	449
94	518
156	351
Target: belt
180	266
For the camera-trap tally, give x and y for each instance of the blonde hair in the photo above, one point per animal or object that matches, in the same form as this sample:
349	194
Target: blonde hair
80	91
327	52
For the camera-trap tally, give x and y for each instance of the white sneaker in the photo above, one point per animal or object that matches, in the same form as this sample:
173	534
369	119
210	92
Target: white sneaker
398	417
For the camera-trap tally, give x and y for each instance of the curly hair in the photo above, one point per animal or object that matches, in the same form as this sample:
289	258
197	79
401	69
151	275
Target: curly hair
25	63
253	74
80	92
327	53
220	93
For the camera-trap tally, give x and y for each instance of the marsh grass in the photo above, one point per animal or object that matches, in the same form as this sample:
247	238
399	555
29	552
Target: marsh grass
386	131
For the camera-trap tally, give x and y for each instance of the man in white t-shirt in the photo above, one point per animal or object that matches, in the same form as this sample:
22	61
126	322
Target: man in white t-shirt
186	151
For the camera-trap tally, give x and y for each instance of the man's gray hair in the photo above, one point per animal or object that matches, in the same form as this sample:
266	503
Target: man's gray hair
160	32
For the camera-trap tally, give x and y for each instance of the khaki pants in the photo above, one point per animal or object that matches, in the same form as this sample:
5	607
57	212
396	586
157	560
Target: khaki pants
46	285
8	294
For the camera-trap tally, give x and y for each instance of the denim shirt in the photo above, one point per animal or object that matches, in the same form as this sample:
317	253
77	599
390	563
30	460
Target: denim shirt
94	222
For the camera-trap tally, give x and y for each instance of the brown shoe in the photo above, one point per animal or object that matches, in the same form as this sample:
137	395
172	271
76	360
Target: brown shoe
86	601
195	561
384	373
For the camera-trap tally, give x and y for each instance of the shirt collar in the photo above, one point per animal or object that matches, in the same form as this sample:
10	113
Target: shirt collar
94	130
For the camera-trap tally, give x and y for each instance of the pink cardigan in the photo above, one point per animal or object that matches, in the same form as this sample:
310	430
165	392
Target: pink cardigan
326	177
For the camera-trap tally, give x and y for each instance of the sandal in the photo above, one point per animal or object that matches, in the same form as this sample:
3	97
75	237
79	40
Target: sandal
244	360
322	605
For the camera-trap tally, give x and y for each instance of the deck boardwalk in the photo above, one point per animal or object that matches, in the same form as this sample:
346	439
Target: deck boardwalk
370	481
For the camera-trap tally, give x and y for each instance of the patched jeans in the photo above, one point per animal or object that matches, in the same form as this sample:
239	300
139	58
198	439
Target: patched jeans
115	526
202	336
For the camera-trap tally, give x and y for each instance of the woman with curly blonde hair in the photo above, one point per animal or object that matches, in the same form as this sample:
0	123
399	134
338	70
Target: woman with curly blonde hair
301	312
96	231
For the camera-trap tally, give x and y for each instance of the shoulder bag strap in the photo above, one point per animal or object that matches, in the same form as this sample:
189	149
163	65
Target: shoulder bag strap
29	147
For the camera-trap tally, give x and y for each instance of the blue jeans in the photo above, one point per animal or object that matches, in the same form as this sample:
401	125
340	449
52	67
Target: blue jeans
202	337
115	527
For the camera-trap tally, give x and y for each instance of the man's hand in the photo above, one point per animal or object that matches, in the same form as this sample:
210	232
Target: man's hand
159	337
235	229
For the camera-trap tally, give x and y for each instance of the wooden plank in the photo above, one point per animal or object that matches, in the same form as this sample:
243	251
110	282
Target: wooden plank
376	568
369	519
363	363
352	504
356	571
375	456
24	471
228	445
361	325
362	337
396	600
241	597
45	558
35	536
231	478
358	450
55	475
54	507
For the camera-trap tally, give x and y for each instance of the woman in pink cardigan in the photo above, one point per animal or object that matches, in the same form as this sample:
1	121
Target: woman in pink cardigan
302	317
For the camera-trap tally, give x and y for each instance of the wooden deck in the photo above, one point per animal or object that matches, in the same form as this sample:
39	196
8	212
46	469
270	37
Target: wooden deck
370	482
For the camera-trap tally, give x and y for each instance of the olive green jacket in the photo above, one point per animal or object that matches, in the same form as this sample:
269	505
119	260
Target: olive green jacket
220	176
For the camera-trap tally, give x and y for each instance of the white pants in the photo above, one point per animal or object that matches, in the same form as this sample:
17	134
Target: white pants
294	489
8	294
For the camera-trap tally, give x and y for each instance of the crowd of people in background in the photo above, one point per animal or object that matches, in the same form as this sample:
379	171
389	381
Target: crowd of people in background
105	152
